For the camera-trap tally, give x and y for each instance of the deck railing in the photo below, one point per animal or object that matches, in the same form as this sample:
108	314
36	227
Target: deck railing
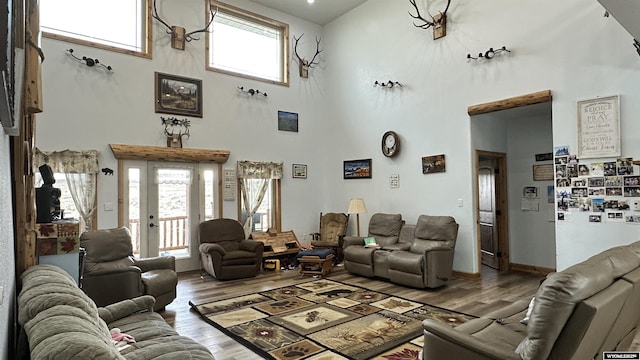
173	233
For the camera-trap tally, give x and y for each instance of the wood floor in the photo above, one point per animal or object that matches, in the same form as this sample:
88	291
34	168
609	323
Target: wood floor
474	297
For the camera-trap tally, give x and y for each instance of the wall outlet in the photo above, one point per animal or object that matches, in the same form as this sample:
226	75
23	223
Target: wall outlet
460	203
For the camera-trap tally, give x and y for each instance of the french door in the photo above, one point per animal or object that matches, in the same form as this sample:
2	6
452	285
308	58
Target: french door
165	202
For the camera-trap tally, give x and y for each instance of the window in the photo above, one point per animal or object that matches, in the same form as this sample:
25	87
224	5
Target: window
248	45
259	189
68	208
118	25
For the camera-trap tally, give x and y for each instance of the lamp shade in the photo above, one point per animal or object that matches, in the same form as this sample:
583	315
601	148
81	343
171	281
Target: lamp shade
356	206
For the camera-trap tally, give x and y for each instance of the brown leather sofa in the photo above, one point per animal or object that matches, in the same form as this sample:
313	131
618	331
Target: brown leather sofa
577	313
419	256
111	272
225	252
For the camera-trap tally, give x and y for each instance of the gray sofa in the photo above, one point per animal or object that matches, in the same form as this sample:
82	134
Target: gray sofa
577	313
419	256
61	323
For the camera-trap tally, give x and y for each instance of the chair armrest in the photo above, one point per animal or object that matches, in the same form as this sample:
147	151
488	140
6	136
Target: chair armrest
251	245
443	340
108	286
352	240
156	263
124	308
212	247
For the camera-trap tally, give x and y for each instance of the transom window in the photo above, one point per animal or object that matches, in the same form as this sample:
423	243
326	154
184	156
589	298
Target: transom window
118	25
249	45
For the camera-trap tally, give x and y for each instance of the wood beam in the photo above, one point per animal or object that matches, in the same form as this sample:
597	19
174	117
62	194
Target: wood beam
510	103
159	153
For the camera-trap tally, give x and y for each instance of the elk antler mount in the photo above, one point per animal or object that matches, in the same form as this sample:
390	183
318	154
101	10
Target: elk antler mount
175	139
303	64
178	33
438	22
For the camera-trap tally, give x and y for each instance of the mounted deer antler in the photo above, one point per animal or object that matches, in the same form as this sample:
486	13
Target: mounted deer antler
173	139
303	64
439	22
178	33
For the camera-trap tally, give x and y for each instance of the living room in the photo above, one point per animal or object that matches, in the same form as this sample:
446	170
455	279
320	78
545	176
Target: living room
569	48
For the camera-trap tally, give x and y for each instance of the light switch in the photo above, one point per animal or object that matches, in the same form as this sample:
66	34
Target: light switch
108	206
1	294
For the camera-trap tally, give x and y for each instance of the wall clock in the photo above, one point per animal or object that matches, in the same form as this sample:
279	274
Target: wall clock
390	144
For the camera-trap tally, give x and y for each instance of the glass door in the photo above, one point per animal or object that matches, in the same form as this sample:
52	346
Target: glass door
163	203
173	213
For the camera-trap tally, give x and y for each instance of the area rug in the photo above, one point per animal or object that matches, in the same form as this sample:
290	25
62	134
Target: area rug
325	319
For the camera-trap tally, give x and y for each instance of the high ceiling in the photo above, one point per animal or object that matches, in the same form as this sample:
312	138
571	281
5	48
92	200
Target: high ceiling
320	12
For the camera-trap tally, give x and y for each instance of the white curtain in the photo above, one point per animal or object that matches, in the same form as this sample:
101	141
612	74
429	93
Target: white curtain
254	182
80	169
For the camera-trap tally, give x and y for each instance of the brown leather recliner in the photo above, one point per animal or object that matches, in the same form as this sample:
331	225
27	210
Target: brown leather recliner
111	273
225	252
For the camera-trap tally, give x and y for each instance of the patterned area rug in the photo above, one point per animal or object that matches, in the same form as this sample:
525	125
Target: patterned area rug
326	319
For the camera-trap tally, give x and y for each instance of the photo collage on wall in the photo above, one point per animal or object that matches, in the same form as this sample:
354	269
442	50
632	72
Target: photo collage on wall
608	190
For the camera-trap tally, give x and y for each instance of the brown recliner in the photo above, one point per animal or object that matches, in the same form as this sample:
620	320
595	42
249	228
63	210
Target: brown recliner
333	228
111	273
226	253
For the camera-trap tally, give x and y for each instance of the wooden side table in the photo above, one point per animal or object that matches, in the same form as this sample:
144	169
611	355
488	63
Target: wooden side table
314	265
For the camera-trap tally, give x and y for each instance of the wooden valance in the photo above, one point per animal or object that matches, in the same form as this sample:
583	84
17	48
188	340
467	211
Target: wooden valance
159	153
510	103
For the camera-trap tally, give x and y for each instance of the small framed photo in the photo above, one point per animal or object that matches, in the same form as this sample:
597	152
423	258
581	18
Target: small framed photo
357	169
287	121
299	171
178	95
433	164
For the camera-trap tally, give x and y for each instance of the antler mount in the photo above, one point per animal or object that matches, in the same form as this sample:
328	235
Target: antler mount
303	64
438	22
179	34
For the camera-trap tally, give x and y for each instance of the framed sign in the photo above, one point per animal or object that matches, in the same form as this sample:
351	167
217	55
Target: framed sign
599	127
299	171
542	172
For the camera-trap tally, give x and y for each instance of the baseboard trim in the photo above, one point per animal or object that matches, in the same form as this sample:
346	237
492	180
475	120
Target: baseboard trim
531	269
466	275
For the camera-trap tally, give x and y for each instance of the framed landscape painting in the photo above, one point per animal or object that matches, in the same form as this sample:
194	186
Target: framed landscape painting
357	169
178	95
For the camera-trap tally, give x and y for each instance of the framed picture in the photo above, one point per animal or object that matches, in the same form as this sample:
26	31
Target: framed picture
178	95
599	127
299	171
287	121
433	164
357	169
543	172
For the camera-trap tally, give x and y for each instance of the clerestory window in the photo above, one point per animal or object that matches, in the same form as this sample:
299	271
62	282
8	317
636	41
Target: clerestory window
118	25
245	44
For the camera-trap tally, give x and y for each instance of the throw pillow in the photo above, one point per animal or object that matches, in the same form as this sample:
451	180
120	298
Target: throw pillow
528	315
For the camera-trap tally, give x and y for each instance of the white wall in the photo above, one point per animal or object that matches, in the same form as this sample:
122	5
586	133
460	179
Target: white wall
569	48
8	264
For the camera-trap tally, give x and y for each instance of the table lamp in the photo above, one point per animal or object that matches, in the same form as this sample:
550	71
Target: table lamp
356	206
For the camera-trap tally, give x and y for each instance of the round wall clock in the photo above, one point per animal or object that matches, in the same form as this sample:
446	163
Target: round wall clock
390	144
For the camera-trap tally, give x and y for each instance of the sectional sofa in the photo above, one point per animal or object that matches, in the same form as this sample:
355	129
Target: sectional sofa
419	256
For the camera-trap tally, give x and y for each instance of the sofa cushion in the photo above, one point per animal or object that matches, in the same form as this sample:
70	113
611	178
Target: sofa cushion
107	244
385	225
443	228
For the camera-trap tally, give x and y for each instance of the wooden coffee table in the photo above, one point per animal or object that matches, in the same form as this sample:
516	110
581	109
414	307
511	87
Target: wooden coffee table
314	265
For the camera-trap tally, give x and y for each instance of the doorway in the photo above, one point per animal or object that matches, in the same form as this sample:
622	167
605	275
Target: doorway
512	235
163	204
492	212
